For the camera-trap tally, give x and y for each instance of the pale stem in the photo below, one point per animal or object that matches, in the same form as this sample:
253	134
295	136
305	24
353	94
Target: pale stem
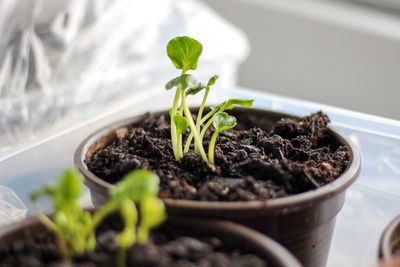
188	142
211	147
193	128
199	114
173	127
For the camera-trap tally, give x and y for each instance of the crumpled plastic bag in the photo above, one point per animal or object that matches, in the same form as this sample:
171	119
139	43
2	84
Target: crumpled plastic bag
63	59
11	207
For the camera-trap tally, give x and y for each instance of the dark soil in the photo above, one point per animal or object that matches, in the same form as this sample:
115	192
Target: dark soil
167	246
289	156
396	249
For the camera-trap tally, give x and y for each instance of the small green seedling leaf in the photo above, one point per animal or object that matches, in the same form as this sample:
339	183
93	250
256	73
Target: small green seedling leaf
70	187
152	213
136	185
86	218
195	90
212	80
184	52
241	102
231	102
223	122
172	83
60	219
201	86
188	81
185	81
180	123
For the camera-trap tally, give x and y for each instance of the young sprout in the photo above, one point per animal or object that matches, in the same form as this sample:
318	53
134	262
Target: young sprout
69	220
75	228
222	122
184	53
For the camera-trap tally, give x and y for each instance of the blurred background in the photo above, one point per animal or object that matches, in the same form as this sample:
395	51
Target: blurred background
63	61
342	53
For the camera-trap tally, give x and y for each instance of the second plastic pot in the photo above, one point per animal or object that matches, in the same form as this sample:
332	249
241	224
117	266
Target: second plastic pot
233	235
389	243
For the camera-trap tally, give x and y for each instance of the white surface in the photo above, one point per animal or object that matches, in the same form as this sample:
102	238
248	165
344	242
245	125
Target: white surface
371	202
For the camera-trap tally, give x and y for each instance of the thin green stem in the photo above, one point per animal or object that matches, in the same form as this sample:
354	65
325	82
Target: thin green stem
193	128
188	142
212	112
61	242
173	126
211	147
121	257
203	131
199	121
203	103
101	214
179	145
181	109
200	114
208	115
142	234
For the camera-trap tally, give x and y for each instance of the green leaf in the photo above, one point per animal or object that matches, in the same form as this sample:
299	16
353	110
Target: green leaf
231	102
70	186
136	185
195	90
60	219
152	211
222	121
189	81
184	52
212	80
172	83
185	81
86	218
241	102
181	123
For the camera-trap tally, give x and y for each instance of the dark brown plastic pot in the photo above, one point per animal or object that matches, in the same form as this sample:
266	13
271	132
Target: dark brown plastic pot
390	239
303	223
234	235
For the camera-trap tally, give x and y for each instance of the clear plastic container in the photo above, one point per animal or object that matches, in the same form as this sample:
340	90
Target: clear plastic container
371	202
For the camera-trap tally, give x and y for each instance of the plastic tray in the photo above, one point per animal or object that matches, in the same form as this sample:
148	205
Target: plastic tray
370	203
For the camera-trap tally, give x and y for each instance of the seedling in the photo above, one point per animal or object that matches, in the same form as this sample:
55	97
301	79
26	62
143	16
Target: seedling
184	53
222	122
75	228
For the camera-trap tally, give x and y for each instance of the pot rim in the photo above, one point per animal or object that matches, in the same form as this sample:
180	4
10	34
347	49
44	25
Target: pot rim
303	199
261	245
386	240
